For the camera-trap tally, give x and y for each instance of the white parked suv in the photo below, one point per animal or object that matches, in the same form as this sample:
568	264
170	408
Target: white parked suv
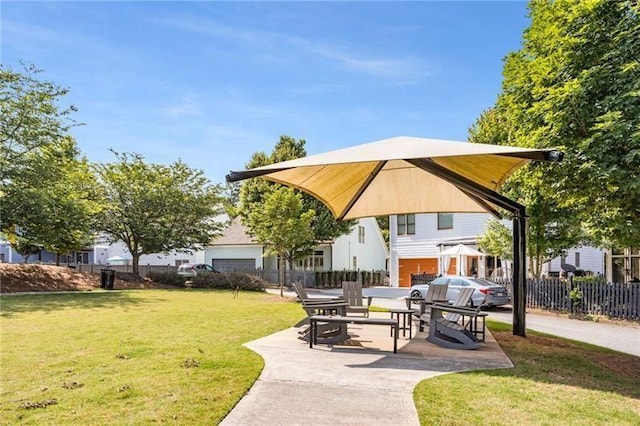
193	269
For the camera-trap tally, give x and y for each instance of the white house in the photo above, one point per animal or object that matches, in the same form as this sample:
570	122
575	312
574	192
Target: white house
585	258
362	249
416	240
118	254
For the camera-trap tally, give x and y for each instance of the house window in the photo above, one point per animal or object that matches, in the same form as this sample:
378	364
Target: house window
181	261
445	220
361	234
577	260
406	224
355	263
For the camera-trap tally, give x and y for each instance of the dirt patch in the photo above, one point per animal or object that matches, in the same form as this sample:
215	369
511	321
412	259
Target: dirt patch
17	278
622	364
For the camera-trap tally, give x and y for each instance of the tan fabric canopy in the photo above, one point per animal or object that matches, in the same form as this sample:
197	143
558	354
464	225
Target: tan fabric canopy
416	175
381	178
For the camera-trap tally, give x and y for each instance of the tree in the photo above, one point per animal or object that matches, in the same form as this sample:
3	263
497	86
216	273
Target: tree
25	245
30	117
255	192
45	199
55	203
383	224
283	226
34	144
497	240
574	86
231	199
156	208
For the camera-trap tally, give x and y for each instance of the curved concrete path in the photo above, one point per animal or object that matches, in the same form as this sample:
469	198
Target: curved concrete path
359	383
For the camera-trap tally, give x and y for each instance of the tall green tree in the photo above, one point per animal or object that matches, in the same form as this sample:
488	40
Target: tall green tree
31	117
255	192
56	202
574	86
156	208
45	186
283	226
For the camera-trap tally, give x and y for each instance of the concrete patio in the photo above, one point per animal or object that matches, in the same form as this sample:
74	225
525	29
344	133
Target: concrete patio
358	382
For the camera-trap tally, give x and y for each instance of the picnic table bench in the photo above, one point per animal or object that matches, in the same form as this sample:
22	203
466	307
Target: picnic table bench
340	319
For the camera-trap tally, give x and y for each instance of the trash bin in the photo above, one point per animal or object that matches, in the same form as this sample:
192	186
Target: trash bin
107	277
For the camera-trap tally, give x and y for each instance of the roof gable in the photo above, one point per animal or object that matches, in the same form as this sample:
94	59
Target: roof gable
235	234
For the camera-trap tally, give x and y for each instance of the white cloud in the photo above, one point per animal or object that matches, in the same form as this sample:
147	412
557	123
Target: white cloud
403	70
184	107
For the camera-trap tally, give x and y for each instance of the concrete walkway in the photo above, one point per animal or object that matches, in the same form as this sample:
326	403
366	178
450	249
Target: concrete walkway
620	337
363	382
360	382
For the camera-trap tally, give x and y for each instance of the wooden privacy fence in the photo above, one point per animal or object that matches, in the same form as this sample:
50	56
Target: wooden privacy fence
615	300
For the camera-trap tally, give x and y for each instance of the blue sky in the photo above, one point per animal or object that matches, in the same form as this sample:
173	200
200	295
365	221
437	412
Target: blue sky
213	82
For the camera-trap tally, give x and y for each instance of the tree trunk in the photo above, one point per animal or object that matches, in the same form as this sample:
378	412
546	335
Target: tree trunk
57	259
134	263
291	271
281	274
535	263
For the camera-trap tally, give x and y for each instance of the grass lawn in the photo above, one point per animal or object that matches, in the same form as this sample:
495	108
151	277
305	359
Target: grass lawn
132	357
148	356
555	381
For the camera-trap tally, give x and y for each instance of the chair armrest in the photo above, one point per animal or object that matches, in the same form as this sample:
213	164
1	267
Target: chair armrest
458	310
324	300
467	308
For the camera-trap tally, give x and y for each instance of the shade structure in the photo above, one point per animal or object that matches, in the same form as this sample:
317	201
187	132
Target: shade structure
461	250
414	175
388	176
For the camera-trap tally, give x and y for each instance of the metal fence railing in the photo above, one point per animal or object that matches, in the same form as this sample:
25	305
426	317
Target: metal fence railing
307	278
615	300
424	278
143	270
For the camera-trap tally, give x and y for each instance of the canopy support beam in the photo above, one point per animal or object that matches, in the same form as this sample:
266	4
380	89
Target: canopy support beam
519	238
363	187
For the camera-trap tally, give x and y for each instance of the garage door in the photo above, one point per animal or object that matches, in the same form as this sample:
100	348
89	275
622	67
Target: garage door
415	266
234	265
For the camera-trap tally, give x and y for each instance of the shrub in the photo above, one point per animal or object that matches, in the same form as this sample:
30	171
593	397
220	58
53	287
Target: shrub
127	276
576	295
169	278
230	280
